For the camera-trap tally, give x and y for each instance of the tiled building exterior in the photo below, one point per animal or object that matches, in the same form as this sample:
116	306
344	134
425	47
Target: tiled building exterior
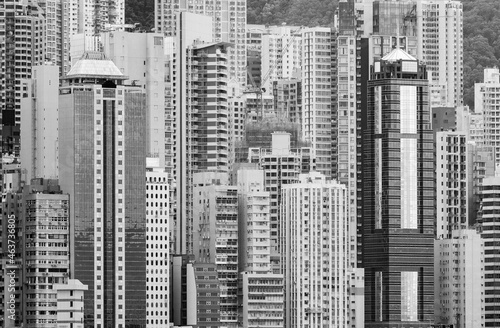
399	195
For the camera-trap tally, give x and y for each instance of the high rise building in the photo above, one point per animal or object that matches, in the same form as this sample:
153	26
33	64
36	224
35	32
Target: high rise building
481	164
260	295
46	248
485	95
57	32
12	251
282	165
399	195
345	125
316	95
451	183
90	17
459	298
229	25
39	119
287	95
431	31
21	47
315	257
440	47
215	237
488	219
102	154
157	245
280	55
196	293
140	56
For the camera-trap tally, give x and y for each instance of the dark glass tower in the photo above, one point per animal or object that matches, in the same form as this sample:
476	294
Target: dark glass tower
102	164
398	209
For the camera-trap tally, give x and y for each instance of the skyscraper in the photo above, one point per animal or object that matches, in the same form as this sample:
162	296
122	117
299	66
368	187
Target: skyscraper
39	119
201	115
102	166
157	245
21	47
315	257
215	237
488	218
46	249
317	95
399	195
229	25
459	279
260	292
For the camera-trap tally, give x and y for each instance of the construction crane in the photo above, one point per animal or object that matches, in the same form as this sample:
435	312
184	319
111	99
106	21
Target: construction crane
259	90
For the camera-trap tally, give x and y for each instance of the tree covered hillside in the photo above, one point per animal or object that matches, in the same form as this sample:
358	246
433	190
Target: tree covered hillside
481	42
140	11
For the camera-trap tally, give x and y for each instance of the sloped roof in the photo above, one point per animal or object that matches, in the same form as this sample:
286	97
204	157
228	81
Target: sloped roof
398	54
94	64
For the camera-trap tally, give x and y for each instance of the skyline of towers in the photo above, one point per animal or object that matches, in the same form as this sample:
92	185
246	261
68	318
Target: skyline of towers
189	83
229	25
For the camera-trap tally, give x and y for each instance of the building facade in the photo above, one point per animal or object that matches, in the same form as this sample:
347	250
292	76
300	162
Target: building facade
488	219
399	195
21	47
157	245
485	95
452	178
316	95
229	25
39	118
459	298
315	255
260	294
102	155
46	250
215	221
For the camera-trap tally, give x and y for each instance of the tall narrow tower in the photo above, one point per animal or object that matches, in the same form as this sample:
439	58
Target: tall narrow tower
399	195
102	165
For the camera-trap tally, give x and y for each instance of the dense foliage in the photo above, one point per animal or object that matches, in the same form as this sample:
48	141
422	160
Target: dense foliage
140	11
291	12
481	26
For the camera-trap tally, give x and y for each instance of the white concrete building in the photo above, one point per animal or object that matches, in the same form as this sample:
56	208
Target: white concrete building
452	179
215	237
91	16
70	306
315	258
489	223
260	291
281	54
344	124
40	122
459	279
229	25
140	57
316	95
486	103
157	245
440	47
282	165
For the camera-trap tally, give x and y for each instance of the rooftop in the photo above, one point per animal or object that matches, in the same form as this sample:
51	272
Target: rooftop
398	54
94	64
